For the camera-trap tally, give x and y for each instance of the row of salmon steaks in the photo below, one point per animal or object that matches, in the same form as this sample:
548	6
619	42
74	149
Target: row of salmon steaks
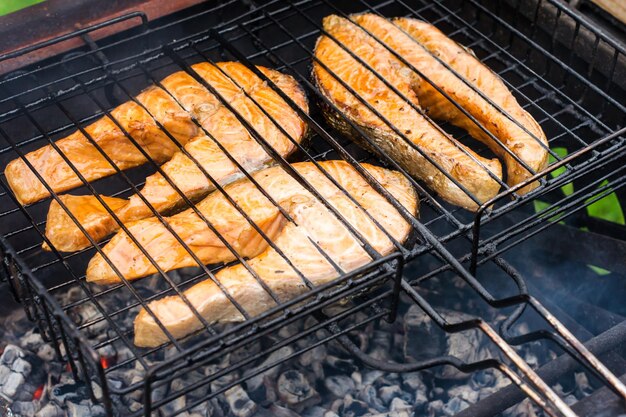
388	77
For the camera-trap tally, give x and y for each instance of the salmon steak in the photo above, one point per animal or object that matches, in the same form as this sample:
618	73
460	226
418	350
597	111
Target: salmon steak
371	56
83	153
208	159
310	243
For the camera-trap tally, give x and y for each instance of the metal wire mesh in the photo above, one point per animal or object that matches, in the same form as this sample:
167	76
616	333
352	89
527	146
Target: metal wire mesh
576	102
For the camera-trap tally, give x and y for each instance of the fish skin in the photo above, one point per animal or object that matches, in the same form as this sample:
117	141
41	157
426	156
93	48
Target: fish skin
87	159
312	221
442	148
417	41
223	125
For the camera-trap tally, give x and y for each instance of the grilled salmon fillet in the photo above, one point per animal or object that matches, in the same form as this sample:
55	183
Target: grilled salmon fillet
286	191
419	43
336	64
232	81
90	162
312	223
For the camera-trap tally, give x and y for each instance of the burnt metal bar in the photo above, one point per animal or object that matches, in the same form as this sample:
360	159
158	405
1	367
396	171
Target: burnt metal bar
601	403
616	362
561	334
530	375
496	403
579	347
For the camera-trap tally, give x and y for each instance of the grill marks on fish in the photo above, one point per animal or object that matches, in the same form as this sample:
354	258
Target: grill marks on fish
236	84
314	234
399	109
419	43
463	165
88	160
227	220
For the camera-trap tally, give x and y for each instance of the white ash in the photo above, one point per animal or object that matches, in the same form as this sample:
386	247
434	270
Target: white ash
239	403
79	410
295	391
324	381
340	385
50	410
368	395
14	369
256	382
24	408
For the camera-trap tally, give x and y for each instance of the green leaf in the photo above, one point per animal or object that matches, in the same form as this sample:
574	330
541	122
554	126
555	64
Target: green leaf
567	189
10	6
608	208
540	205
562	153
545	208
598	270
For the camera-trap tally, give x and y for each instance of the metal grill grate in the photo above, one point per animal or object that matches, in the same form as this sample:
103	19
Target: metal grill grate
576	102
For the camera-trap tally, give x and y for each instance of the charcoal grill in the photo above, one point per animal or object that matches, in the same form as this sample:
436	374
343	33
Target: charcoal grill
562	68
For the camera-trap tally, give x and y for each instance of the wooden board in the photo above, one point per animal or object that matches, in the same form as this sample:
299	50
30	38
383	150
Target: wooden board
52	18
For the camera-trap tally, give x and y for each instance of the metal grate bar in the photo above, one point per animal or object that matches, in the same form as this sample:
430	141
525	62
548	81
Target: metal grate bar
562	213
214	10
69	269
372	303
551	397
200	352
282	161
519	64
547	53
313	90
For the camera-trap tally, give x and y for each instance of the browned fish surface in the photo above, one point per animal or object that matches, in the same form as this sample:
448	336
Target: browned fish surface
169	254
467	168
232	81
312	222
419	43
90	162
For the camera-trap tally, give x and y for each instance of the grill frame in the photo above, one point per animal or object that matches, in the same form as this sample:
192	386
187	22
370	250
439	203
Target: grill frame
41	305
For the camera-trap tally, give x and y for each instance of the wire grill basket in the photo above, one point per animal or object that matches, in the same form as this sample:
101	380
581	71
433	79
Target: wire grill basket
562	70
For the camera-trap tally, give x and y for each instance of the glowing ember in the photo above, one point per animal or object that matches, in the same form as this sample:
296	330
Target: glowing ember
105	362
38	392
